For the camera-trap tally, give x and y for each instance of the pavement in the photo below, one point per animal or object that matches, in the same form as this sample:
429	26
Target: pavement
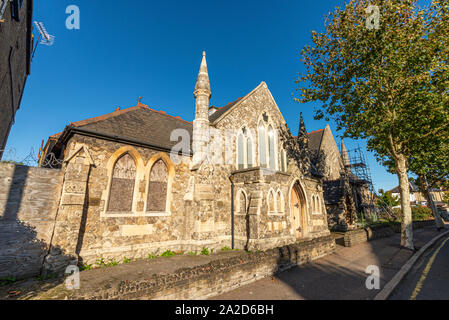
429	277
340	276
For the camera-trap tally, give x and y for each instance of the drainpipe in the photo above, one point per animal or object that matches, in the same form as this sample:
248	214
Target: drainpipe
231	178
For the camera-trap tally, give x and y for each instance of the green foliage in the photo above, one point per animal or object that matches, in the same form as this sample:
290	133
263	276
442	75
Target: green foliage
386	85
168	253
47	277
226	248
205	252
100	262
85	267
126	260
420	213
7	281
152	256
112	263
446	197
192	253
386	199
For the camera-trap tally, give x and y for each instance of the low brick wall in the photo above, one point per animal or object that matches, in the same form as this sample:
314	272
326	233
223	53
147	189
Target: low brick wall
354	237
203	281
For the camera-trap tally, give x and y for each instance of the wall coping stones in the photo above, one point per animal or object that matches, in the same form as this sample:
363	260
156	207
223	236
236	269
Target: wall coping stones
195	279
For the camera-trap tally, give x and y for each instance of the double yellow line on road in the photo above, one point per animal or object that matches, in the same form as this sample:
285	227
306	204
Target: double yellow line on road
426	272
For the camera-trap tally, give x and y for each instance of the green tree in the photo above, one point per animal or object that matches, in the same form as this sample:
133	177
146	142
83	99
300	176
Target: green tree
387	85
386	199
446	197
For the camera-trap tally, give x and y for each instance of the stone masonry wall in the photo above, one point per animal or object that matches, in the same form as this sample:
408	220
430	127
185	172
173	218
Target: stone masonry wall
28	203
202	281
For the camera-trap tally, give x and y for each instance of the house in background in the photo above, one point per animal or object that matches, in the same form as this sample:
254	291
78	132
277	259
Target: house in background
417	198
15	59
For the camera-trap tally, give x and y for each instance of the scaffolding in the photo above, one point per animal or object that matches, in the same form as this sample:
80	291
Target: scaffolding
359	173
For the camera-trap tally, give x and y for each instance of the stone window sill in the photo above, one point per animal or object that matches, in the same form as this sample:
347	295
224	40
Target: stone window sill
134	214
274	213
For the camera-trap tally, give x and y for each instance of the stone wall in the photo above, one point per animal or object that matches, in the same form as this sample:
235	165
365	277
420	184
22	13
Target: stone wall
28	204
14	47
202	281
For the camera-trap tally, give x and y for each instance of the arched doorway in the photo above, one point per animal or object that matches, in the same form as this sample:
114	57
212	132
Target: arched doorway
298	211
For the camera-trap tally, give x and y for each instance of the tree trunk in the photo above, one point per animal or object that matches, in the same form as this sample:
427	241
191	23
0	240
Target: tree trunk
426	192
404	187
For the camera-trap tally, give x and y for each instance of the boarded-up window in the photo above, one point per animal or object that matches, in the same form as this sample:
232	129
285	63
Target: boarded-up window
157	191
122	185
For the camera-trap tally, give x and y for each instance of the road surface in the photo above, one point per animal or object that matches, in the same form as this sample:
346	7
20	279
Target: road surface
429	278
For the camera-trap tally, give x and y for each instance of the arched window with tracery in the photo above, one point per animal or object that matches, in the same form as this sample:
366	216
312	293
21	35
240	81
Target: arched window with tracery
122	185
158	187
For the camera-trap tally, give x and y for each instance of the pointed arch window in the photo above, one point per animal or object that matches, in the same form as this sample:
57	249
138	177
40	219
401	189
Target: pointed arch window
271	201
280	202
262	145
157	190
240	152
249	152
283	161
122	185
271	148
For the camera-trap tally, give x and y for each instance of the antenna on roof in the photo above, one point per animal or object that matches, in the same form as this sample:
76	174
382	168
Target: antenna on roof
44	37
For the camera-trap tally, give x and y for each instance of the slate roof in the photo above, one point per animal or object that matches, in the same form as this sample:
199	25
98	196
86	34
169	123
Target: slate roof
139	123
332	191
315	138
220	111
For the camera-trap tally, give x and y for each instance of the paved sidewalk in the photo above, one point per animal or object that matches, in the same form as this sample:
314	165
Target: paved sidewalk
338	276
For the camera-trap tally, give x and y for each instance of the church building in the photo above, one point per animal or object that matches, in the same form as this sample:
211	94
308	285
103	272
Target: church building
139	181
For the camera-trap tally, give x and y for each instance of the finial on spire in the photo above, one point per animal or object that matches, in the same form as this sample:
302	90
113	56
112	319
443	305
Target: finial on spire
302	127
139	100
202	83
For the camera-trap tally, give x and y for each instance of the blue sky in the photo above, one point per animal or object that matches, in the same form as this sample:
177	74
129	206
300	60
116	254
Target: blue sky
153	49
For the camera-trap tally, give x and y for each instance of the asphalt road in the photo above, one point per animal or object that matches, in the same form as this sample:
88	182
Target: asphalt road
429	278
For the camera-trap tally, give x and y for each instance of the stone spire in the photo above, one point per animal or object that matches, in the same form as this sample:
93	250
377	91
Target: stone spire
303	144
344	154
202	95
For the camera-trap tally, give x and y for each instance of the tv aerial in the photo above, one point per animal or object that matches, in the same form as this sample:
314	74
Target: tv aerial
44	37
